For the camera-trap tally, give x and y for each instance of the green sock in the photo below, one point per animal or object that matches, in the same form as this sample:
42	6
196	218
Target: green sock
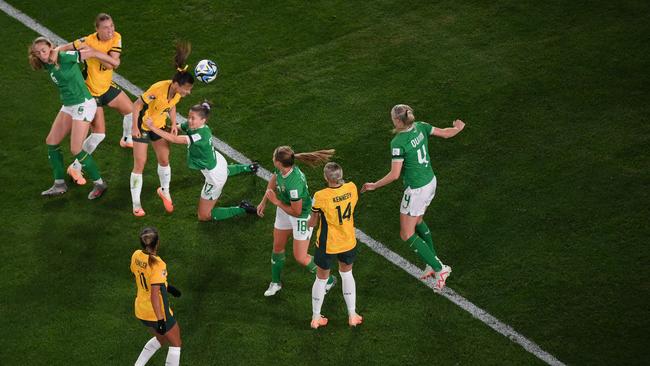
277	262
234	169
423	232
428	256
330	280
55	157
224	213
311	266
89	165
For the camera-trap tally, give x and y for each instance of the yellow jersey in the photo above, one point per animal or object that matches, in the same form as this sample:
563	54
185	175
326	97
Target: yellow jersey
336	208
145	276
98	78
157	104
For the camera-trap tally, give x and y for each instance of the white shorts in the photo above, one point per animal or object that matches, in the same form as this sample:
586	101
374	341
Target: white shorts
215	179
415	201
284	221
81	112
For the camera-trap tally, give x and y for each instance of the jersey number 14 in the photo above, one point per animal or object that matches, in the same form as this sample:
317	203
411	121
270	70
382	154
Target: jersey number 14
347	213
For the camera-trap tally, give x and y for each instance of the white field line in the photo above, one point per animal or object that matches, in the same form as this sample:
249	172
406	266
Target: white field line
373	244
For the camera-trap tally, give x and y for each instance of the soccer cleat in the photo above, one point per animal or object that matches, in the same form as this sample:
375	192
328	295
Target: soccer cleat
138	212
55	190
273	289
319	322
248	207
254	166
329	286
440	278
98	191
167	200
126	143
76	175
427	272
355	320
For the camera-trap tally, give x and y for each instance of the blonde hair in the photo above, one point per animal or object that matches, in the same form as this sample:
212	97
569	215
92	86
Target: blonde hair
333	173
34	61
287	157
404	113
149	241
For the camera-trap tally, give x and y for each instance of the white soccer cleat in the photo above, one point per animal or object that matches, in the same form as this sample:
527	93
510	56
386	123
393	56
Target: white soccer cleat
273	289
329	286
440	278
55	190
427	272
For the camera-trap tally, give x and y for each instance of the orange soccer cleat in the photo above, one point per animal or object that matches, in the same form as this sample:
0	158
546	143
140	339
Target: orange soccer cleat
76	175
138	212
355	320
319	322
167	200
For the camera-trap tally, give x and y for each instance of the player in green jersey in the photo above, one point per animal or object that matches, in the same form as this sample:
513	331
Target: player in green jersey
202	156
77	112
410	152
288	190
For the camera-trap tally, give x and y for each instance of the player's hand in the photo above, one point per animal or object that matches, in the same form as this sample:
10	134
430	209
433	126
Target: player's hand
368	187
173	291
148	122
135	132
174	130
459	124
270	195
161	327
260	209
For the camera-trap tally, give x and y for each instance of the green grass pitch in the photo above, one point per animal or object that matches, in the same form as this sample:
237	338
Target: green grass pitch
542	205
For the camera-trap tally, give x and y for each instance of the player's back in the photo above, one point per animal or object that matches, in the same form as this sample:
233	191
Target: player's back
336	207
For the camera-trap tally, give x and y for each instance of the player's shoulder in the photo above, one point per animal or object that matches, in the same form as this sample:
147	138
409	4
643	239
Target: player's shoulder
350	186
157	90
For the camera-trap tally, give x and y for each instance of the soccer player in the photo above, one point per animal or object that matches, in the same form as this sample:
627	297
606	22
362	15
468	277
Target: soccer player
99	79
158	102
76	113
333	208
410	151
151	302
288	190
202	156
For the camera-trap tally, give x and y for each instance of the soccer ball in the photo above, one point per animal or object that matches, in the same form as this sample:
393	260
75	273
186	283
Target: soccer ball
206	71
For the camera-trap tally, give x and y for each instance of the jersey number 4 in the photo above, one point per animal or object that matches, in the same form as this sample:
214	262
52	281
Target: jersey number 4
347	213
422	155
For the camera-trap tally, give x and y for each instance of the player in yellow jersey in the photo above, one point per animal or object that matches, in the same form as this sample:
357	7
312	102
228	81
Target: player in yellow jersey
156	104
151	302
333	208
99	80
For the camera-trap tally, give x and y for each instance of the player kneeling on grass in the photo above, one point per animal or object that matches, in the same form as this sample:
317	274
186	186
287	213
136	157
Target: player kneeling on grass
333	208
202	156
75	115
288	191
410	151
151	303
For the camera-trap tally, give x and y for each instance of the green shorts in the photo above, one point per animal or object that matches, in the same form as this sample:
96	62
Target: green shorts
171	321
324	260
112	93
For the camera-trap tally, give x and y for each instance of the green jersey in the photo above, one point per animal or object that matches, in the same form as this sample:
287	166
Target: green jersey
67	77
293	187
200	153
412	147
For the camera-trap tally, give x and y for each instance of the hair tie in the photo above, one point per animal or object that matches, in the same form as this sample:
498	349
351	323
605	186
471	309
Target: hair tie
206	105
181	69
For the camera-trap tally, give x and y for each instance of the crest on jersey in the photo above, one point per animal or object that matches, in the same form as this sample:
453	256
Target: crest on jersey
293	193
396	152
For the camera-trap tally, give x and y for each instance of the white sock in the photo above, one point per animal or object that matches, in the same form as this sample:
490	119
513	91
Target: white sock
59	181
136	188
349	291
149	349
99	181
92	141
127	125
317	296
173	356
165	175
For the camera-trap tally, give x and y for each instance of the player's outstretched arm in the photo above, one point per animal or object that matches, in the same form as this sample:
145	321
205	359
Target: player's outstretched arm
177	139
393	175
89	52
449	132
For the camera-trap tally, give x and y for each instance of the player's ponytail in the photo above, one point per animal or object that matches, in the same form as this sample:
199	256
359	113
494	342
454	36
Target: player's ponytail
203	109
149	242
333	173
34	61
182	76
404	114
287	157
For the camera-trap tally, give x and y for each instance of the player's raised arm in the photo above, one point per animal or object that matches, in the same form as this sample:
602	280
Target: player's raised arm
449	131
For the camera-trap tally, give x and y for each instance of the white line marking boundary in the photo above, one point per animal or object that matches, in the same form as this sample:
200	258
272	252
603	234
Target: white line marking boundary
373	244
